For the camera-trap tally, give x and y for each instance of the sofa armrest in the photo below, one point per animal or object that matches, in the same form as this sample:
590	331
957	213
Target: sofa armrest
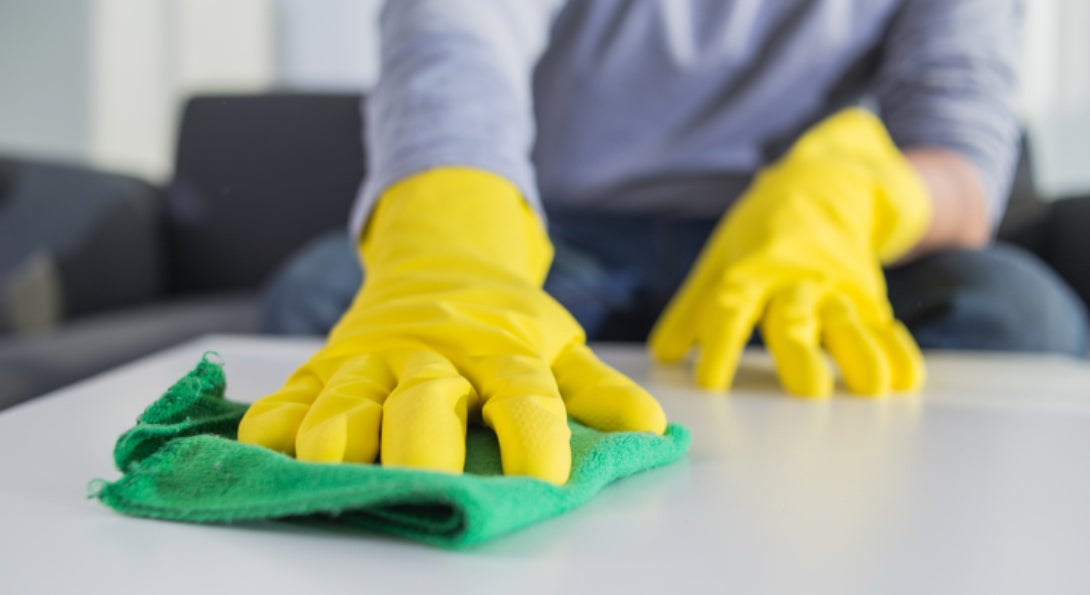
90	239
1065	243
1057	235
36	364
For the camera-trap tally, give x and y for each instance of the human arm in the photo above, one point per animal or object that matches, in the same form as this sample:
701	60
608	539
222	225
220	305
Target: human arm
452	325
454	90
946	89
959	209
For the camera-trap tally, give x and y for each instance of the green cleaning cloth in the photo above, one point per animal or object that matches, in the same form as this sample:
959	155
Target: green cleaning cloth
182	463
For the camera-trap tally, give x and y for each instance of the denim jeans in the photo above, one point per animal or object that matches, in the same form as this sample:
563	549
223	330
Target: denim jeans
615	274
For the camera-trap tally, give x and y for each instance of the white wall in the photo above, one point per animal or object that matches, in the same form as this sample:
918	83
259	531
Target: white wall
147	56
328	44
44	77
1056	93
101	81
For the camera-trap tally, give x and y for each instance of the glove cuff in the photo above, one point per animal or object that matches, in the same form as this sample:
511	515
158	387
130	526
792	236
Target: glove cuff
452	218
902	201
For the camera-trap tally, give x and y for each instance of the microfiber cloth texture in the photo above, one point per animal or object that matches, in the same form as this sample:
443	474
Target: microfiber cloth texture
182	463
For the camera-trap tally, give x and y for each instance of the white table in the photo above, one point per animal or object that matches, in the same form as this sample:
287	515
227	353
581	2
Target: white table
979	485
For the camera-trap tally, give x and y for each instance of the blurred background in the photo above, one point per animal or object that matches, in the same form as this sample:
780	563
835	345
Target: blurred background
102	81
161	195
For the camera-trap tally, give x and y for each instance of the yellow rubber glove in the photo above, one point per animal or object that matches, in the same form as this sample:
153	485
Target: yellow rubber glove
801	255
451	326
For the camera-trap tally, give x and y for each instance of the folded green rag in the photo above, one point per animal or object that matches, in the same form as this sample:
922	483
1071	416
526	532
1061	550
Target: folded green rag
181	462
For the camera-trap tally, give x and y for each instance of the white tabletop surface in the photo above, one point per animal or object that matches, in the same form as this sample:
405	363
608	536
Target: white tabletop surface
979	485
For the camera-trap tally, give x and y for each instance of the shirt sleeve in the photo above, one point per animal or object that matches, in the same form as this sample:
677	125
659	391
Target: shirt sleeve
454	89
948	78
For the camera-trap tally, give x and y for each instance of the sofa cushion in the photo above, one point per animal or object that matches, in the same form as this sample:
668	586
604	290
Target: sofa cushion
256	177
99	231
32	365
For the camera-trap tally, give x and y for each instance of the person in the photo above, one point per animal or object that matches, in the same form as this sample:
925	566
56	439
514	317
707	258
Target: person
829	173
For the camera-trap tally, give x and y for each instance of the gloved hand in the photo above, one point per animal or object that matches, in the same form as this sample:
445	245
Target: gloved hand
801	254
451	326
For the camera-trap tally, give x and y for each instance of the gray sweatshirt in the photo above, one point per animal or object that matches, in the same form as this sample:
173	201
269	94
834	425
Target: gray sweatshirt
670	106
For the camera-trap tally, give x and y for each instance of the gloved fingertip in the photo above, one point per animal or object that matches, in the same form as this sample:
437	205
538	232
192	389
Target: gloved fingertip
872	383
910	379
655	423
812	393
554	473
801	367
350	437
599	396
549	460
713	376
809	383
666	349
863	375
874	394
272	426
864	363
642	413
533	434
323	443
906	361
617	409
444	454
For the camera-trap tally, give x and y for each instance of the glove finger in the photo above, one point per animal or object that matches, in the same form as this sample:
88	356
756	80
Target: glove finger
792	334
678	327
601	397
274	420
343	423
724	333
906	363
522	405
856	351
424	418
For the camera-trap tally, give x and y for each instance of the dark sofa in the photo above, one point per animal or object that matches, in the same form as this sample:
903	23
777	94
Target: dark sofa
97	269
